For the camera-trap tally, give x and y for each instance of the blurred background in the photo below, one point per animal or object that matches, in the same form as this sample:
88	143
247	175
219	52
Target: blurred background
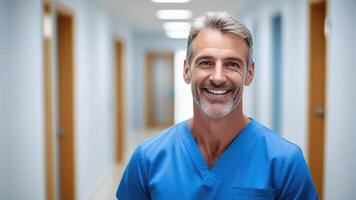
82	82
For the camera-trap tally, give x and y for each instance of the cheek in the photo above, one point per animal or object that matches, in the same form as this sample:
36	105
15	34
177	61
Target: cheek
197	76
238	78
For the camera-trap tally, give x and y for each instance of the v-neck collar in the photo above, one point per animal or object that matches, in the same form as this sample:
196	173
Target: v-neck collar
236	151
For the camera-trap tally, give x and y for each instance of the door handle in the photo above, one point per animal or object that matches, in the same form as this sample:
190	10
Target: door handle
319	111
60	131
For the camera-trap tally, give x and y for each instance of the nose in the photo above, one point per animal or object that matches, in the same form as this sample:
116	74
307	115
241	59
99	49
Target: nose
217	75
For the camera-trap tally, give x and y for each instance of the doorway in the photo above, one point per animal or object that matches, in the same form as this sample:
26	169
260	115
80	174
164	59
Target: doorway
316	110
159	90
66	140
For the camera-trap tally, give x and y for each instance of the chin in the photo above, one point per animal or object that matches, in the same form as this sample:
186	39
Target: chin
217	112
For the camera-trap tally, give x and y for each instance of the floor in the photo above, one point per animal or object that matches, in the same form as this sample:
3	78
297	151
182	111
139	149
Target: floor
107	190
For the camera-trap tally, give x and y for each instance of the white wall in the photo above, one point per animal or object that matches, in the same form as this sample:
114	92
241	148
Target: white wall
249	93
295	72
259	17
294	66
142	43
340	161
183	99
94	97
124	34
21	101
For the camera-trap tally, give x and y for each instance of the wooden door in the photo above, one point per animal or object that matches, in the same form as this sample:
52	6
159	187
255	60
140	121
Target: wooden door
66	104
317	89
159	90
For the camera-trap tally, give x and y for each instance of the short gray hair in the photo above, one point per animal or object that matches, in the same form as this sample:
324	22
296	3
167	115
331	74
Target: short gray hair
224	23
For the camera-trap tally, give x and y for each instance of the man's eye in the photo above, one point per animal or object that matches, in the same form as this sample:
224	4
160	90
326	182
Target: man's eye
206	63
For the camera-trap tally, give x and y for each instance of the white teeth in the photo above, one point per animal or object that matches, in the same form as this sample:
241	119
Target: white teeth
216	91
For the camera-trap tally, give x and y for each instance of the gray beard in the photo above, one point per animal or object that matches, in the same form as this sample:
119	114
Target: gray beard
213	113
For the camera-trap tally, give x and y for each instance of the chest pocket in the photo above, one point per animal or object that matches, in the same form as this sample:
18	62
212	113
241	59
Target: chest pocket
252	194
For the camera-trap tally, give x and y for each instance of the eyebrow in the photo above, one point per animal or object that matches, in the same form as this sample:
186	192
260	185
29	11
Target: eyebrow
224	59
234	59
203	58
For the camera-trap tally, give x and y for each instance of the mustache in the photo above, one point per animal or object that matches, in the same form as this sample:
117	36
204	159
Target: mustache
212	85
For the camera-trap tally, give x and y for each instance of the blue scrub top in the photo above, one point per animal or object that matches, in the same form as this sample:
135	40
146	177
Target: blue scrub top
258	164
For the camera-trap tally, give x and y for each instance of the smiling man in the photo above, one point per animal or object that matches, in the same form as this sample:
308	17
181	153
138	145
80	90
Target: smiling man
220	153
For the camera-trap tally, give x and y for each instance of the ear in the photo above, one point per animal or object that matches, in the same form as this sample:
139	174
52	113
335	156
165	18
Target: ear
186	72
249	74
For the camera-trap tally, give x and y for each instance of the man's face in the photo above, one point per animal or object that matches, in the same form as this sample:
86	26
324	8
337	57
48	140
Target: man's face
218	72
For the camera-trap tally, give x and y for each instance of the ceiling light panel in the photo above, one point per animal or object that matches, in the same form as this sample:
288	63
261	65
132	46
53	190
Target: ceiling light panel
170	1
174	14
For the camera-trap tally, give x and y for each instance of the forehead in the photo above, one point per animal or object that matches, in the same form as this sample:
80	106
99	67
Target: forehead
210	41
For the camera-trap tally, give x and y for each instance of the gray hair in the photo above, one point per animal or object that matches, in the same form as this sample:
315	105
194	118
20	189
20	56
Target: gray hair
224	23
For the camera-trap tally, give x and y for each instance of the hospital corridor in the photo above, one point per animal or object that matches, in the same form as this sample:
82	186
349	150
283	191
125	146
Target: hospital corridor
84	82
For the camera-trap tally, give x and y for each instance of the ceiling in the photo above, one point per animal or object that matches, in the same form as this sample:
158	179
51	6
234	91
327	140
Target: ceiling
140	15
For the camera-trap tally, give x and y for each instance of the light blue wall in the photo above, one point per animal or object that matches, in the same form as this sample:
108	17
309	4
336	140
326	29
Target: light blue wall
277	71
21	104
340	161
295	62
259	97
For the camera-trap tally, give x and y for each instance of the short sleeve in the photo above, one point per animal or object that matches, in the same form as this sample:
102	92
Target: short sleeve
133	184
296	181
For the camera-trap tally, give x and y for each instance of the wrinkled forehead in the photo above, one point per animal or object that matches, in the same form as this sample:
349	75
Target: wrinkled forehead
209	40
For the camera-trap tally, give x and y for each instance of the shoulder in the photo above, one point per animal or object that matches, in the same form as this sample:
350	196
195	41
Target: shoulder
283	156
291	172
275	146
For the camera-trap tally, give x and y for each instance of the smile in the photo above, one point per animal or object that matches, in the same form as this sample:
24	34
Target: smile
215	91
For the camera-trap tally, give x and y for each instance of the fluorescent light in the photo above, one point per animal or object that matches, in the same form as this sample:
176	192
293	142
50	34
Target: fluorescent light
177	34
170	1
182	26
177	29
174	14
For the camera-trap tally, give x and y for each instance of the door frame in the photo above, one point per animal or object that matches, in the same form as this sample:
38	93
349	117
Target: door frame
49	139
119	48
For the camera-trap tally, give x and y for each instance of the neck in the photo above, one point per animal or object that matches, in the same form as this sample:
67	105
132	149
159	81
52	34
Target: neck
214	135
